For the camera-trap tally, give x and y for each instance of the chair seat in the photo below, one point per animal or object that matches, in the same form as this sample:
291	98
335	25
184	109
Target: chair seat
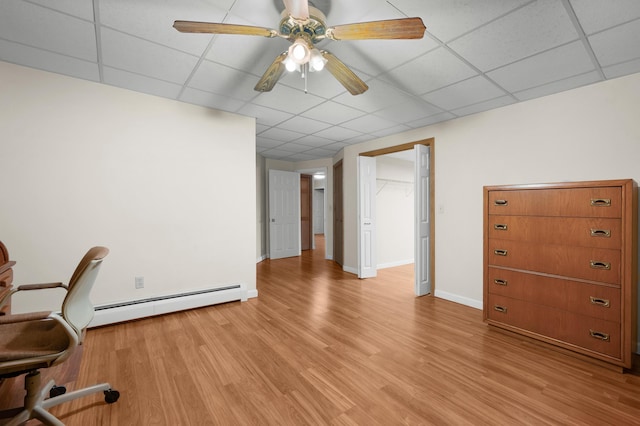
28	340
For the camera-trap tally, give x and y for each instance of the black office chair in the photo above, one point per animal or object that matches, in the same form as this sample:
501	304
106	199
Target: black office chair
31	341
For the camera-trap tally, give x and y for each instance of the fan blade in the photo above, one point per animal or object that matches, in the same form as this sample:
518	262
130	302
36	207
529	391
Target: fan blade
344	75
214	28
298	9
405	28
272	75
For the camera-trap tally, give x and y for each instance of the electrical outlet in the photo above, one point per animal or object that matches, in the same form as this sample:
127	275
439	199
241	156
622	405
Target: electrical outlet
139	282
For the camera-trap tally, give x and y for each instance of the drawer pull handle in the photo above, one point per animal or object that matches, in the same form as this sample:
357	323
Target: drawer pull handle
500	252
499	308
600	265
599	335
500	203
500	226
605	233
500	282
601	202
600	302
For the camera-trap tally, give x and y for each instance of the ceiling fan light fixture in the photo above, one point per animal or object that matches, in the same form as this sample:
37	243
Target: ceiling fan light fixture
290	65
316	60
299	51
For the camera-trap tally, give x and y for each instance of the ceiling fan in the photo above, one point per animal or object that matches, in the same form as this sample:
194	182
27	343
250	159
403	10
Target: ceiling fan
304	25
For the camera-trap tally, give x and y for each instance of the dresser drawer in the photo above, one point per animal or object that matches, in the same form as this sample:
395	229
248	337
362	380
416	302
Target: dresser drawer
577	202
585	232
594	264
597	301
590	333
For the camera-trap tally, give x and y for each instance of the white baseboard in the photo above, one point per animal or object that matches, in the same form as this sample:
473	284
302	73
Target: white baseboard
459	299
261	258
396	263
252	294
137	309
350	269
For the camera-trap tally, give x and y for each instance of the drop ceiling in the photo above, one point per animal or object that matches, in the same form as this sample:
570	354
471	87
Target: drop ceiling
475	56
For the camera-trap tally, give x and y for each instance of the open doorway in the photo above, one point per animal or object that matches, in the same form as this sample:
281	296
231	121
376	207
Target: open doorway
314	208
423	191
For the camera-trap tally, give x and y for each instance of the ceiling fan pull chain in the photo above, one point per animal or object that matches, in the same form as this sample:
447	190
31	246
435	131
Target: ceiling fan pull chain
305	73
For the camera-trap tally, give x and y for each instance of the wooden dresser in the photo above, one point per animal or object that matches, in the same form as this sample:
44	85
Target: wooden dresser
6	277
560	265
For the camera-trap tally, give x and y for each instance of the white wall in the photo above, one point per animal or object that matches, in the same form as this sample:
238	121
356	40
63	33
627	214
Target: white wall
169	187
394	211
590	133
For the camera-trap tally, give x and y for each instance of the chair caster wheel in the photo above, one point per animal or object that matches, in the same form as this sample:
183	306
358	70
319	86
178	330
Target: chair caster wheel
111	396
57	391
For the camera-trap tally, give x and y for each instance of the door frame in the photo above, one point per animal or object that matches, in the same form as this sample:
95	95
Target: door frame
430	142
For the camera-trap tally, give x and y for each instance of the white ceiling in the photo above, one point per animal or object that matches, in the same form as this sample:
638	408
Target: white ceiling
476	55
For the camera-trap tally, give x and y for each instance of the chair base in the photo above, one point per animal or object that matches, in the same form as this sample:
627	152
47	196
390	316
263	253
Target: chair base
36	402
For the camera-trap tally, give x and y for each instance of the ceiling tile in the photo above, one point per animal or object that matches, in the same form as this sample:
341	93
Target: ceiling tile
143	57
379	96
558	86
265	116
81	9
48	61
428	121
43	28
338	133
211	100
467	92
250	54
156	23
391	130
430	72
539	26
283	135
597	15
277	154
322	152
617	45
260	13
315	141
411	110
448	19
293	147
624	68
368	124
331	112
140	83
216	78
288	99
375	57
556	64
304	125
485	106
267	143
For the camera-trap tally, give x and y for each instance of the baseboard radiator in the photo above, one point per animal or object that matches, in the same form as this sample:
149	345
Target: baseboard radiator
136	309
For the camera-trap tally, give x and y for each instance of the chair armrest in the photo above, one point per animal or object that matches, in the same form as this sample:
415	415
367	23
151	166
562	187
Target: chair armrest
41	286
30	316
6	266
26	287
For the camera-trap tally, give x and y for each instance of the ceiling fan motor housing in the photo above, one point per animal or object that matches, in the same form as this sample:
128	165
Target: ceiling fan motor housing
312	29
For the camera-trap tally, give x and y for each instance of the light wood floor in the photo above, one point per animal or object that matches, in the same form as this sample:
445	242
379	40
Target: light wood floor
320	347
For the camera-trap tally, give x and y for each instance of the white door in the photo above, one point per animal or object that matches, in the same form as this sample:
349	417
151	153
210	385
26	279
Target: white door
284	214
422	221
367	259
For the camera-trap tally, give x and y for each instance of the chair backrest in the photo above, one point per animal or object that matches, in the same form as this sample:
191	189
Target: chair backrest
77	308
